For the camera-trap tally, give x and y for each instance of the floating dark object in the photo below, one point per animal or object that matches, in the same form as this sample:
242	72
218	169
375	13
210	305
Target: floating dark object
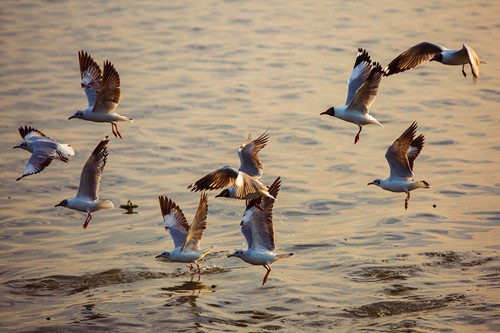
129	207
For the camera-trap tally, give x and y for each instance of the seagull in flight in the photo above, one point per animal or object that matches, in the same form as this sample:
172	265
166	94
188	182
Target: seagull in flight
401	155
43	150
361	93
257	228
103	93
86	199
427	51
186	238
244	183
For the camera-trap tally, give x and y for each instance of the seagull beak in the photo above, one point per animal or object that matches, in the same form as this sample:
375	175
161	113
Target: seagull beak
230	255
16	147
324	112
158	256
71	117
371	183
57	205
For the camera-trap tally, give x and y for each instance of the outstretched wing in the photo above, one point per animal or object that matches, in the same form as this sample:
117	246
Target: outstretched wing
29	132
215	180
262	221
366	94
90	178
91	76
108	96
360	73
195	233
249	161
397	157
413	57
175	222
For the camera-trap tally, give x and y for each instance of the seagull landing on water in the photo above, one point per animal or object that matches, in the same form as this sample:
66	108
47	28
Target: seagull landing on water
103	93
361	93
186	238
426	51
244	181
400	156
257	227
43	150
86	199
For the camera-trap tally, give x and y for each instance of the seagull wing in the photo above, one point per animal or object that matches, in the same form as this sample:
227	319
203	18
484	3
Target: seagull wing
91	76
195	233
397	157
30	132
90	178
39	160
415	147
174	219
108	96
473	60
360	73
413	57
366	94
217	179
262	221
249	161
244	185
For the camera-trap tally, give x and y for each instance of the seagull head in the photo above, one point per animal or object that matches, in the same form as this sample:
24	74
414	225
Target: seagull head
238	253
163	255
375	182
330	112
224	194
77	114
23	145
63	203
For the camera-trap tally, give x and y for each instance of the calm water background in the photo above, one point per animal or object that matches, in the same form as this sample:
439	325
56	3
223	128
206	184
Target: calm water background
198	77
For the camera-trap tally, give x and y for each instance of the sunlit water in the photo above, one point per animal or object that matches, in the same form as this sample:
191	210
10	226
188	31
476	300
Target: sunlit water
198	77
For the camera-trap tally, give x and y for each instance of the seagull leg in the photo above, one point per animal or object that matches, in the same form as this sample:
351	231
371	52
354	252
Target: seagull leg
116	132
62	157
268	268
87	220
190	266
407	199
463	70
356	139
199	269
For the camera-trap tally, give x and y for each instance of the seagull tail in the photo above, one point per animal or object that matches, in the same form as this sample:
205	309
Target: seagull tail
422	184
66	149
105	204
284	256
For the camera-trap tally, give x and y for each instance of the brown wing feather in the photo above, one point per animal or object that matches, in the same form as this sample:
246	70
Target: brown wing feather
198	226
108	96
215	180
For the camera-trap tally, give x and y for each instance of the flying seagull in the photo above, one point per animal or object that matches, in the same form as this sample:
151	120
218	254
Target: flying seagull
401	155
186	238
244	183
427	51
257	227
86	199
361	93
43	150
103	93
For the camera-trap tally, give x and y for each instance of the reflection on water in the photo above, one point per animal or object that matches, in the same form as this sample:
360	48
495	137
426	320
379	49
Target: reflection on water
198	77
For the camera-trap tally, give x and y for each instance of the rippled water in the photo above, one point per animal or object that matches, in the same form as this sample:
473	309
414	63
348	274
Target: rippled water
198	77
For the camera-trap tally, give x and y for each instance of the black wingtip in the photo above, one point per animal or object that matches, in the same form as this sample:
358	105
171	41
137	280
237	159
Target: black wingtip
361	57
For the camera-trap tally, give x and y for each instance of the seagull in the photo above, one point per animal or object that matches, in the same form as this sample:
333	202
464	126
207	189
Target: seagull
103	93
362	91
86	199
43	150
186	238
244	182
401	156
257	227
427	51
